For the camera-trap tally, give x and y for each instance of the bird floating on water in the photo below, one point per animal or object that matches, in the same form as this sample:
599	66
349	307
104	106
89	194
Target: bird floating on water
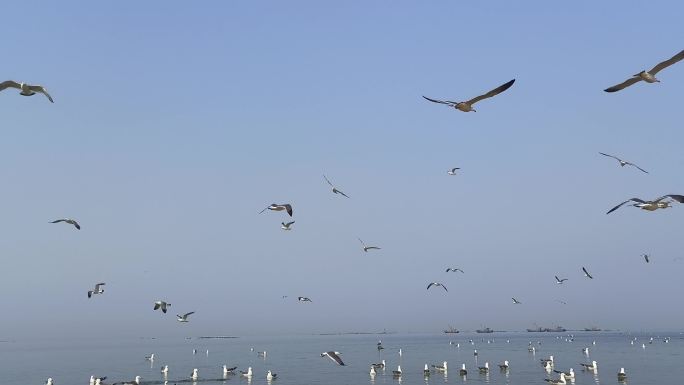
49	381
372	371
97	290
624	163
568	374
161	305
559	381
397	373
366	248
69	221
437	284
560	280
653	205
381	365
463	370
484	369
467	106
248	373
441	368
335	356
165	369
647	76
271	376
622	375
591	367
286	226
586	273
504	366
26	89
279	207
150	357
184	318
227	370
426	371
195	374
334	189
94	379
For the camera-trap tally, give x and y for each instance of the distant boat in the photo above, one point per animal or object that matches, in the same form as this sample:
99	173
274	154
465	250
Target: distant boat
557	329
592	329
451	330
485	330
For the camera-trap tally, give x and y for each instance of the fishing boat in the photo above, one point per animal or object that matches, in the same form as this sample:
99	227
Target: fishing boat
485	330
451	330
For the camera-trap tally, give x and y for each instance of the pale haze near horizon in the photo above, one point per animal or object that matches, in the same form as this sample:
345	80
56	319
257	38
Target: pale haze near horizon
174	125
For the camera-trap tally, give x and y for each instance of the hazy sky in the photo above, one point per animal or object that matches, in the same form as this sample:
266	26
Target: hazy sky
175	123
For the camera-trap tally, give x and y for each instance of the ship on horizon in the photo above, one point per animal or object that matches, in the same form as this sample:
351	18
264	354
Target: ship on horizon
485	330
451	330
592	329
557	329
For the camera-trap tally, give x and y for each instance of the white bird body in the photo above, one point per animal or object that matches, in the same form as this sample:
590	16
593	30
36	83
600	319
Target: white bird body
195	374
270	375
184	318
286	226
591	367
49	381
559	381
150	357
463	370
165	369
372	370
397	372
248	373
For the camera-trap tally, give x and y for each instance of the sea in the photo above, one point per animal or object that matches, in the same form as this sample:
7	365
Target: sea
648	358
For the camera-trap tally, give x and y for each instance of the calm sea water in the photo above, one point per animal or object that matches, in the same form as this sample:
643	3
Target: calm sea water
297	359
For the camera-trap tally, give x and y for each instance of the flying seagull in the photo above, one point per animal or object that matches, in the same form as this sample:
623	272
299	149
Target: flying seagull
560	301
161	304
437	284
184	317
515	301
303	299
454	270
366	248
286	226
26	89
97	290
334	189
586	273
653	205
69	221
277	207
560	281
623	163
646	258
335	356
647	76
467	106
453	171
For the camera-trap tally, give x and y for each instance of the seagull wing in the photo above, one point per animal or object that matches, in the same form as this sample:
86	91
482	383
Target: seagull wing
430	285
372	248
449	269
364	245
78	227
8	84
678	198
58	220
288	208
335	358
662	65
444	287
447	102
610	156
336	191
97	287
627	201
587	273
557	279
42	90
288	224
187	314
328	180
632	164
156	306
624	84
491	93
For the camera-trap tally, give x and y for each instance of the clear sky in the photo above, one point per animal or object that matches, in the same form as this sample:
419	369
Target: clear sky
175	123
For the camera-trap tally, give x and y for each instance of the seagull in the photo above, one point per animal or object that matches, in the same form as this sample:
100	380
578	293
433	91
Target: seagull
624	163
248	373
262	354
454	270
653	205
467	106
165	369
586	273
485	368
647	76
69	221
561	301
286	226
504	366
441	368
271	376
569	374
426	371
136	381
227	370
150	357
26	89
463	370
559	381
380	365
453	171
592	367
276	207
303	299
334	189
560	281
93	379
97	290
161	304
49	381
194	374
545	360
397	373
437	284
516	302
366	248
622	375
646	258
184	317
334	356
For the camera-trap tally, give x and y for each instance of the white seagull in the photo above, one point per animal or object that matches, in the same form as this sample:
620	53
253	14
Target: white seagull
467	106
437	284
647	76
560	280
454	270
453	171
150	357
161	305
568	374
504	366
184	317
591	367
248	373
334	189
586	273
366	248
286	226
624	163
335	356
441	368
69	221
26	89
194	374
271	376
97	290
653	205
397	373
165	369
622	375
227	370
559	381
463	370
93	379
276	207
484	369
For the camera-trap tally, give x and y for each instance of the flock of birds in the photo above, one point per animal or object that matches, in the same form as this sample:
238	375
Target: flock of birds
662	202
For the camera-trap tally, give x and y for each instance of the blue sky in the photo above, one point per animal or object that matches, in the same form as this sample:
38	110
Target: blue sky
174	124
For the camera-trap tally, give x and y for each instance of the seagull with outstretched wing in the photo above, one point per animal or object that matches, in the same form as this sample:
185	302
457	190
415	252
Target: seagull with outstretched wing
69	221
279	207
659	203
454	270
184	317
97	290
623	163
647	76
366	248
286	226
334	189
467	106
586	273
559	280
437	284
335	356
515	301
26	89
453	171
